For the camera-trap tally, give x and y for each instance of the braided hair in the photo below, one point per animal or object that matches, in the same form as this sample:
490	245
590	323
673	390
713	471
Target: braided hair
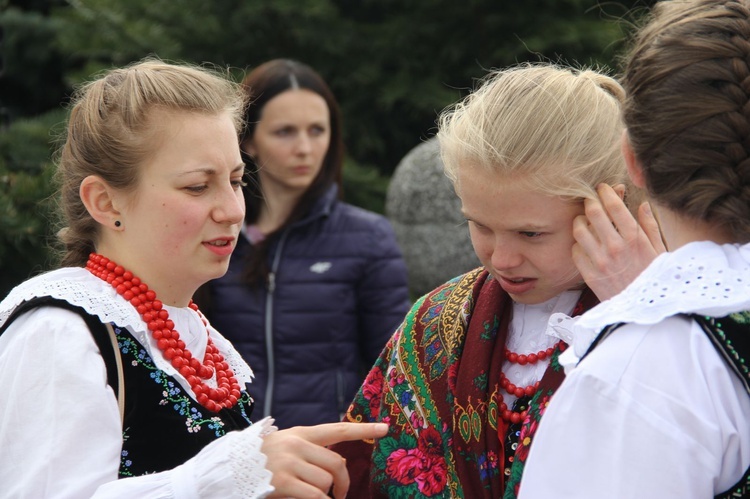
687	111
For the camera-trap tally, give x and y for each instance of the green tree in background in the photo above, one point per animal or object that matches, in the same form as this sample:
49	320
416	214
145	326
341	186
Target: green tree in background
393	65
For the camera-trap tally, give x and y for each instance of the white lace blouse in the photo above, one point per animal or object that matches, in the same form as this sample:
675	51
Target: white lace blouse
54	380
654	411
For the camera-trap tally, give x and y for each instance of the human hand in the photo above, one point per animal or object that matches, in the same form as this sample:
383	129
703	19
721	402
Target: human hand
611	247
301	465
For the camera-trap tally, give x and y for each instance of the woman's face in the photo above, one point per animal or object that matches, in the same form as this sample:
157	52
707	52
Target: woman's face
522	237
290	141
181	223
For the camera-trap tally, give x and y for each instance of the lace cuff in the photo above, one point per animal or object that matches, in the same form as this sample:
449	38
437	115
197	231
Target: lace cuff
232	467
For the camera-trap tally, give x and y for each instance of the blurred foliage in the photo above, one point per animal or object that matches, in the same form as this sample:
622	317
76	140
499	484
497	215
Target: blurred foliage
31	81
364	186
26	201
393	65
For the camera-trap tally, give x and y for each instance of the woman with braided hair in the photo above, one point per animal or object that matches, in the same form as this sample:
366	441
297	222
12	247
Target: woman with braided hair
116	388
659	404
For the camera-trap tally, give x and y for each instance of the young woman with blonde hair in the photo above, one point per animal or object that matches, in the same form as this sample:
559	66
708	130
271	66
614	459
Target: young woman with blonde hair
462	381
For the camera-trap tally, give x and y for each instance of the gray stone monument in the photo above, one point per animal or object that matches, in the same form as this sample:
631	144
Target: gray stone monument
426	216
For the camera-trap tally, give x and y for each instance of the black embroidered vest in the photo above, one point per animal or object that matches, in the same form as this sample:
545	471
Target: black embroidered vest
163	426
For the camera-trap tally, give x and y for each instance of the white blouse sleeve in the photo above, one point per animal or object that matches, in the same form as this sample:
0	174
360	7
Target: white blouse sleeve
654	412
60	429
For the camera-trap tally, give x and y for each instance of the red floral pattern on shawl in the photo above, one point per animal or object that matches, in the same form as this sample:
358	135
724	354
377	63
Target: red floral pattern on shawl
436	385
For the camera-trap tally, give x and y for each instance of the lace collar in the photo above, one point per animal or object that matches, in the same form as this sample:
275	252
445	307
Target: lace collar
78	287
701	277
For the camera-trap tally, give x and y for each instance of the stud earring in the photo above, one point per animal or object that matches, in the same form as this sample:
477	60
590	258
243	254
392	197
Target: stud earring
117	223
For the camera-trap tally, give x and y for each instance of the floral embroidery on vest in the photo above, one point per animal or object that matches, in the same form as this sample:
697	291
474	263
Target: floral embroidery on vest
172	393
149	385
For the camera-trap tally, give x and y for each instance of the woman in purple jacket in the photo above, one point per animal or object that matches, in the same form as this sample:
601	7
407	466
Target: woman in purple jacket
316	286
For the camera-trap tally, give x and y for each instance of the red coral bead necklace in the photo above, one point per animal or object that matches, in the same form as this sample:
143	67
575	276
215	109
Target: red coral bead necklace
513	416
531	358
151	310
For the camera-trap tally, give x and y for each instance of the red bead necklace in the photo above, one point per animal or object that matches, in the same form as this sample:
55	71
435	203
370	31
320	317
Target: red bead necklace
168	340
532	358
513	416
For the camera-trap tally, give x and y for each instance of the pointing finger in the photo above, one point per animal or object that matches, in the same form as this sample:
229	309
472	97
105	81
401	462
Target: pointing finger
332	433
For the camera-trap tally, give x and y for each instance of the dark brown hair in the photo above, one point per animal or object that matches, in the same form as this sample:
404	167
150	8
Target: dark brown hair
687	80
263	84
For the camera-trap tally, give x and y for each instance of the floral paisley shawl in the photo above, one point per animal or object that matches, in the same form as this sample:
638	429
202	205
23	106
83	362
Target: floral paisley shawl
438	392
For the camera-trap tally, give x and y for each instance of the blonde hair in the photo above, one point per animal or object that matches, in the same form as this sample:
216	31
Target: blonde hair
558	128
111	130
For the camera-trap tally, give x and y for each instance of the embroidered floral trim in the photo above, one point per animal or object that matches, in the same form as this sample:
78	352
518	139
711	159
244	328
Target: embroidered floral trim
125	462
173	395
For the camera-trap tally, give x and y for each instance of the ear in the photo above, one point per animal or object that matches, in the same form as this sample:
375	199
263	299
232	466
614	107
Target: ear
635	170
99	199
619	190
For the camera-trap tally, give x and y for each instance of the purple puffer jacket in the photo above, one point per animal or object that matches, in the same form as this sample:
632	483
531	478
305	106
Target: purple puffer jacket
336	292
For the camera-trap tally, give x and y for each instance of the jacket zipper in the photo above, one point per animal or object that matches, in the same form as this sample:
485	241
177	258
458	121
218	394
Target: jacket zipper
340	392
268	401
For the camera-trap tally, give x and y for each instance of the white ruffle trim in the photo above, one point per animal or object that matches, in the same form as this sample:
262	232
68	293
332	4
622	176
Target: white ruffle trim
700	277
251	478
231	467
79	287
